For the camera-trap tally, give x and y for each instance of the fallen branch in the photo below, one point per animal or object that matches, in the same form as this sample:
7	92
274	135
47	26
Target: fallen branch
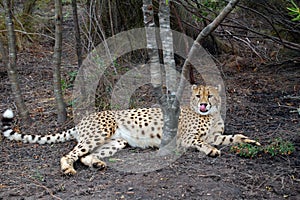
47	189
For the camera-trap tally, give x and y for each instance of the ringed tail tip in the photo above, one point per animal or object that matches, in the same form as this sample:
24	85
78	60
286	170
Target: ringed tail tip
8	114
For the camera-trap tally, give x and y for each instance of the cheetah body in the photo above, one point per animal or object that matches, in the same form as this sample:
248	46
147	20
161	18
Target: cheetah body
102	134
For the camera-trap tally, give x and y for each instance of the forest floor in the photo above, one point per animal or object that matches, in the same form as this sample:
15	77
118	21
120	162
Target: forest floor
260	104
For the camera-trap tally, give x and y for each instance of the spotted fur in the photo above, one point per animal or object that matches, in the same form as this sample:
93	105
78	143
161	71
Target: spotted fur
104	133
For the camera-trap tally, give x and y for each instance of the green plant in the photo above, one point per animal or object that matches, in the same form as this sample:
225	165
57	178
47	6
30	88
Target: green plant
246	150
38	176
208	8
68	82
294	11
277	147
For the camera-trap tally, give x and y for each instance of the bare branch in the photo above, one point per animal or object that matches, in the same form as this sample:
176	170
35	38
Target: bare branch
203	34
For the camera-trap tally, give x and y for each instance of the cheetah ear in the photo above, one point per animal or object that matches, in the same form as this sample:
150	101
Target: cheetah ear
218	87
194	87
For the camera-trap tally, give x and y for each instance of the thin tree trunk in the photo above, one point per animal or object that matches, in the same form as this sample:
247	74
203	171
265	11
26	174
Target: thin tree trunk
61	108
166	37
170	104
77	33
152	46
12	63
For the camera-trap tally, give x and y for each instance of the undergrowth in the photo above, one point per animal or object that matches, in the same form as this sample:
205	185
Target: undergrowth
277	147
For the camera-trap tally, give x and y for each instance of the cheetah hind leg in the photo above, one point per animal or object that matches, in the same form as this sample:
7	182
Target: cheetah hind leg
67	161
106	150
80	150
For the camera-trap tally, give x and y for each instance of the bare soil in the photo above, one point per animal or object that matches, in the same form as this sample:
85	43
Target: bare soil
260	104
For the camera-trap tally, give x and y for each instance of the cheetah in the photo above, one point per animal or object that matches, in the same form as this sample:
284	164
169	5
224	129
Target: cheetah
102	134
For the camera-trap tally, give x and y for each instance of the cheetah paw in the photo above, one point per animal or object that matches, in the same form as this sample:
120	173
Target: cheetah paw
249	141
214	153
69	171
99	164
67	166
93	161
245	139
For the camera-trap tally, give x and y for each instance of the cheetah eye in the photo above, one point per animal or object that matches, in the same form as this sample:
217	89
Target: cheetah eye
210	96
198	95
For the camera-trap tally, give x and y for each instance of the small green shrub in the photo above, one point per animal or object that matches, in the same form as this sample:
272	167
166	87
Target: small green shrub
246	150
68	81
276	147
279	147
294	11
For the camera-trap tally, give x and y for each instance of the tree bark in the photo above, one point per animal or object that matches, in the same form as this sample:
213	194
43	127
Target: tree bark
77	33
152	45
61	108
166	37
11	63
169	102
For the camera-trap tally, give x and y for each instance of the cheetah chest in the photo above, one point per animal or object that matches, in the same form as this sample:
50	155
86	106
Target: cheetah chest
192	124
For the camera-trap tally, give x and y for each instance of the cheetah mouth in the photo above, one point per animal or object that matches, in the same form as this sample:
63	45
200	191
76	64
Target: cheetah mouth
204	112
203	108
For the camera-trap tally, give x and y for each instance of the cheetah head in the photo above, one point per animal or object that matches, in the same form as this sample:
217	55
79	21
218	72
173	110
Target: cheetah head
205	100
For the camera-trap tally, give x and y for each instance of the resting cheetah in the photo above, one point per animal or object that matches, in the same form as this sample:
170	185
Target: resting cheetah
102	134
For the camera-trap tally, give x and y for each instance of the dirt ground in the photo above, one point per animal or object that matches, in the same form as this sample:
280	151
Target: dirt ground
259	105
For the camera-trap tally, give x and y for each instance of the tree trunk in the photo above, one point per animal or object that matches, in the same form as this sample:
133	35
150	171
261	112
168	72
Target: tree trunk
77	33
169	103
61	108
11	63
152	45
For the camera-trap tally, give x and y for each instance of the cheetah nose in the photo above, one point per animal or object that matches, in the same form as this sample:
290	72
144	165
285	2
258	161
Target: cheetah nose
203	107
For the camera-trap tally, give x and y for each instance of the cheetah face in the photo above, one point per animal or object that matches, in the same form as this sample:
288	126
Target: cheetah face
205	100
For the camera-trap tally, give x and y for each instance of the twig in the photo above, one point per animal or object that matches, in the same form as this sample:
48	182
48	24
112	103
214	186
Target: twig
203	34
246	42
27	33
291	97
48	190
209	175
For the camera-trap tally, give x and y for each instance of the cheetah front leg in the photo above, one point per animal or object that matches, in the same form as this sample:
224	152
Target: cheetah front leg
106	150
216	136
219	139
200	145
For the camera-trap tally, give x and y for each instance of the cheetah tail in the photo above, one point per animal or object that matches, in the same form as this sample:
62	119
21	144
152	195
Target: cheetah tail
8	132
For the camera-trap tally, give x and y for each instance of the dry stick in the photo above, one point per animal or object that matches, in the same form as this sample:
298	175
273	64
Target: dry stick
47	189
285	43
105	42
110	19
203	34
191	75
28	33
247	43
263	16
